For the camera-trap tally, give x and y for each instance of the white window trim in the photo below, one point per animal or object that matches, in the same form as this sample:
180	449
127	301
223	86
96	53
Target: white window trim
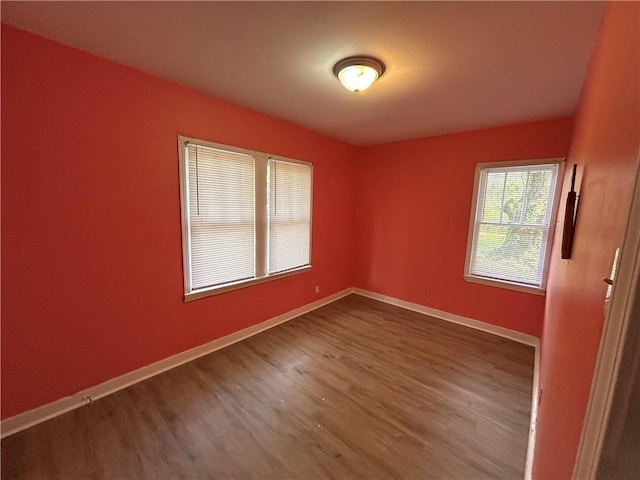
260	197
507	284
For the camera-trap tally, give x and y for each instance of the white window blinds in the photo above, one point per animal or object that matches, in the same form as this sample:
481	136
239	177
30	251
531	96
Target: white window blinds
246	217
221	216
289	212
513	215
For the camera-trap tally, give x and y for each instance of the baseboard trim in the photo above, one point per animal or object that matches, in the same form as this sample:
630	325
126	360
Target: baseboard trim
451	317
27	419
531	445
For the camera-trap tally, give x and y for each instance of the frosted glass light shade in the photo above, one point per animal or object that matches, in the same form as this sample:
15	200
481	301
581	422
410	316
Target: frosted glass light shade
358	73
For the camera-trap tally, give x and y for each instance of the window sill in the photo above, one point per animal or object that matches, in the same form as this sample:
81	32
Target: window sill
492	282
228	287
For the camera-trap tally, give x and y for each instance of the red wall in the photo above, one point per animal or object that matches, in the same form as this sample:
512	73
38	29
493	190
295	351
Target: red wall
605	147
91	250
414	202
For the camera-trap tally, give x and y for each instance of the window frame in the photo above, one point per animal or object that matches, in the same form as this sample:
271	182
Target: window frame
261	160
510	284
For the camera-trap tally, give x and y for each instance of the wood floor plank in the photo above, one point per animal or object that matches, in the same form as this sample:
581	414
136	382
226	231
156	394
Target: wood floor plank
355	389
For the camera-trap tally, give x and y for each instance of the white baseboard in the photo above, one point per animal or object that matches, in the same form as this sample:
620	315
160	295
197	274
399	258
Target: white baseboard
528	469
27	419
451	317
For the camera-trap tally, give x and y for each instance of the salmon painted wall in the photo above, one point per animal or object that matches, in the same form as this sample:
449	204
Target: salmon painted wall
414	202
606	148
91	247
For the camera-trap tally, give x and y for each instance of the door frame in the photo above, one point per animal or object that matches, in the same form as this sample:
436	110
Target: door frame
610	353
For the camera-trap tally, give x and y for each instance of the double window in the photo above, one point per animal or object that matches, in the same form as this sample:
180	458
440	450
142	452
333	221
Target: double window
511	225
246	216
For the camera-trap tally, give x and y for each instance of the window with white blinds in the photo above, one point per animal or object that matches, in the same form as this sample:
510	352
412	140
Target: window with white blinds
246	216
511	221
221	216
289	215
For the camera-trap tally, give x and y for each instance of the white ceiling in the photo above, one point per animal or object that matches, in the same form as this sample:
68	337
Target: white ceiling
451	66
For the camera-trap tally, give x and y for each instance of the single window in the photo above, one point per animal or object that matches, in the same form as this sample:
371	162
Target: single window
512	218
289	215
246	216
221	216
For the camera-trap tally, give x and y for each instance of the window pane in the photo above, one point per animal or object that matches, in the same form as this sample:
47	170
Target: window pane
221	253
539	196
492	206
288	245
510	253
515	185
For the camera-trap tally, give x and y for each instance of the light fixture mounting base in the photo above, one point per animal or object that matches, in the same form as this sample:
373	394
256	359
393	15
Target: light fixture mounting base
363	60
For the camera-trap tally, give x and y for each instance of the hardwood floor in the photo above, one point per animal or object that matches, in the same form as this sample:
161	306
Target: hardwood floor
356	389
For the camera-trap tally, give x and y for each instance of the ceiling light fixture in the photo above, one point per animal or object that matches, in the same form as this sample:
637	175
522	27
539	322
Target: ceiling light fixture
358	73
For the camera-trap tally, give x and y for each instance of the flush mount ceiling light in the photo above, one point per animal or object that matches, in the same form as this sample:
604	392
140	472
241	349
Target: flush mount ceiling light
358	73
